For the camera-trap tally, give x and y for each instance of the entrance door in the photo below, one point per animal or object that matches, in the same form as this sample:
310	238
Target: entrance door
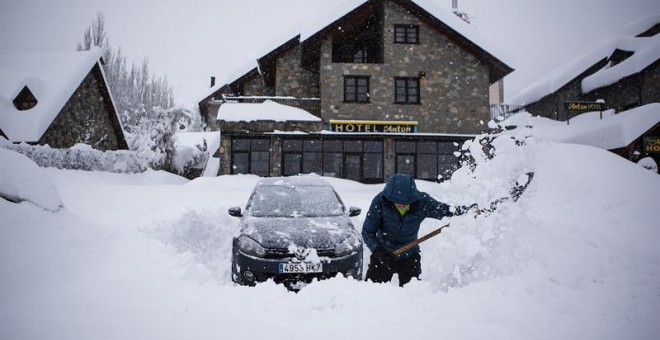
353	166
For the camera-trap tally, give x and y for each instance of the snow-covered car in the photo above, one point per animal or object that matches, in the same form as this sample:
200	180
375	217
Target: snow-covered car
295	229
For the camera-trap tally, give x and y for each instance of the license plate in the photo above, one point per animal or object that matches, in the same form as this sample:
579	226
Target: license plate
301	267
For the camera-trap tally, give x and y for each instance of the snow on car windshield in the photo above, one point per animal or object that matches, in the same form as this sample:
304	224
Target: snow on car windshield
295	201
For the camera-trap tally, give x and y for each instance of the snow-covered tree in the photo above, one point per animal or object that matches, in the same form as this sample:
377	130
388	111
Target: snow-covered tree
144	100
136	90
153	137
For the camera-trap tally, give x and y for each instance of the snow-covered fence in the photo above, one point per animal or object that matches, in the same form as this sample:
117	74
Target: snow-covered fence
120	161
504	110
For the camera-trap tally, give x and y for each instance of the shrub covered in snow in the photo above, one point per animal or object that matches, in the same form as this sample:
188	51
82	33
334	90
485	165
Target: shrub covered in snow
81	158
23	181
153	138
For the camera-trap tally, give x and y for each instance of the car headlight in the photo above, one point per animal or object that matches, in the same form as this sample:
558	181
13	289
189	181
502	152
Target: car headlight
348	246
250	246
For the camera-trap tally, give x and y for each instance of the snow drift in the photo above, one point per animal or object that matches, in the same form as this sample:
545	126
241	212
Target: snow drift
148	256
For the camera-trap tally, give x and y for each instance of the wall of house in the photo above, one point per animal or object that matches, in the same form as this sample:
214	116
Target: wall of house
636	90
651	82
86	118
454	93
254	86
292	80
552	106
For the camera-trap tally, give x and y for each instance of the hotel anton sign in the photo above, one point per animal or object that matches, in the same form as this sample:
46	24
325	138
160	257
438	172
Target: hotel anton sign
373	126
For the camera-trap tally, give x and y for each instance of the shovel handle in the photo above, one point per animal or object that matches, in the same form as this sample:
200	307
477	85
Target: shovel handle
419	240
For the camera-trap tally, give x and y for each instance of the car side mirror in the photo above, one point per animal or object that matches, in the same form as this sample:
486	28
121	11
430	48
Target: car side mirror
235	211
353	211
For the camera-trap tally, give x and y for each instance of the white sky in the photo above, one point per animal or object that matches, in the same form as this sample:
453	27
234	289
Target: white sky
191	40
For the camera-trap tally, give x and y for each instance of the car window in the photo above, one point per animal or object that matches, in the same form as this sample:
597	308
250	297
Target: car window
294	201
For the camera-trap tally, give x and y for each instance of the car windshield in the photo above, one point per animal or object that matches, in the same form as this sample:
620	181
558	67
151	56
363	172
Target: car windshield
295	201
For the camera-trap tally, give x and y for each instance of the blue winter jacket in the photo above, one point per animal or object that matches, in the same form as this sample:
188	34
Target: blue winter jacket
385	227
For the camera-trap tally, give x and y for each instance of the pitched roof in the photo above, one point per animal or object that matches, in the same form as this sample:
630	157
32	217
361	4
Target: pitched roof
321	24
646	50
51	78
611	132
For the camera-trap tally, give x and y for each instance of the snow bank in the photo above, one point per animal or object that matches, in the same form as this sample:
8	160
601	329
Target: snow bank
149	257
23	181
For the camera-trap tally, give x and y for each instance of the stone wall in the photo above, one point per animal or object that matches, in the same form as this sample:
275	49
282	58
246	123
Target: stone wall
553	106
271	126
254	86
454	91
636	90
292	80
87	117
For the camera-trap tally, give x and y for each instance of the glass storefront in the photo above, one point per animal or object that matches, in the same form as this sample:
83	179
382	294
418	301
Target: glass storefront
359	158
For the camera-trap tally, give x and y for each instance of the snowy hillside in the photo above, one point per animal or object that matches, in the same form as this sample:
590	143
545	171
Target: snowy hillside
147	256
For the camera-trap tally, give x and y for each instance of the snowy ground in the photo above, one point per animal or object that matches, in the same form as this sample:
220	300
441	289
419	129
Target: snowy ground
148	257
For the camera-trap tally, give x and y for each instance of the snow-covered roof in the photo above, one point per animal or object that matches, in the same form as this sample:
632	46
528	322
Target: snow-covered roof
52	79
612	132
338	9
646	51
324	18
268	110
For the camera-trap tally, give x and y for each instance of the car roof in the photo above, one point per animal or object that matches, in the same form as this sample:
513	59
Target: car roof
300	180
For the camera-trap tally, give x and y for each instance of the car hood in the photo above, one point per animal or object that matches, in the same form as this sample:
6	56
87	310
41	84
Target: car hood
286	232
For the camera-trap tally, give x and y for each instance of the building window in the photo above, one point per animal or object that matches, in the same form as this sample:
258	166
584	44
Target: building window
361	56
359	160
25	100
406	34
406	91
250	156
428	160
356	89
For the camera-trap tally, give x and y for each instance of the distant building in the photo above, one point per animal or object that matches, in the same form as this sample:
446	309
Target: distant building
389	86
622	72
58	100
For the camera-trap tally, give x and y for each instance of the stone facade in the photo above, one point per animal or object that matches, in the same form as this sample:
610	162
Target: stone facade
454	78
454	91
270	126
292	80
88	117
254	86
454	82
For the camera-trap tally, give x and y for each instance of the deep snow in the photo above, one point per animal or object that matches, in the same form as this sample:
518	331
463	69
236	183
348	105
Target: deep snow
147	256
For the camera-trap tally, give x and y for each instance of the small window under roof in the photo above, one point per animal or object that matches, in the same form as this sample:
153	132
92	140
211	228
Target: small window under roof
25	100
618	56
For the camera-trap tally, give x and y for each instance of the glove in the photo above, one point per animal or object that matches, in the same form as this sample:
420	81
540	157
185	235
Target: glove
383	255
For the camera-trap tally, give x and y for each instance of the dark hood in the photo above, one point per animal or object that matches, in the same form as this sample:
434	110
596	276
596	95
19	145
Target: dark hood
401	189
309	232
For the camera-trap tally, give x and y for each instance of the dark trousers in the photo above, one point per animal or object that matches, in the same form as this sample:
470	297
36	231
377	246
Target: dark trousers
406	269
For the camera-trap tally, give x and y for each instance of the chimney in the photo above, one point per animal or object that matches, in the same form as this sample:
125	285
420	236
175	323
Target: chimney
454	5
212	81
